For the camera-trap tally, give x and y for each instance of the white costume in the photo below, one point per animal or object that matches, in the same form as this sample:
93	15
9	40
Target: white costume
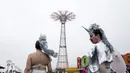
103	52
103	55
36	70
44	46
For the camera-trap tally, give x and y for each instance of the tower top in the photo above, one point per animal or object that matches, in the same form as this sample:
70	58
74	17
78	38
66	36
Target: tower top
63	16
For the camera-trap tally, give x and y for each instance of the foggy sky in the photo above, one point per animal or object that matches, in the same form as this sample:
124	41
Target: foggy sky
22	22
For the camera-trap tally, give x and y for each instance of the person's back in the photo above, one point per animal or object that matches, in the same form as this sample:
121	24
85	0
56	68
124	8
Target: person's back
37	61
39	57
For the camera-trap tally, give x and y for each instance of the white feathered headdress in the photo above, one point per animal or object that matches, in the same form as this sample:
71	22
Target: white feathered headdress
104	39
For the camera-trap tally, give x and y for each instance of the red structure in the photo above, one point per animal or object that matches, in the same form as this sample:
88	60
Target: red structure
78	62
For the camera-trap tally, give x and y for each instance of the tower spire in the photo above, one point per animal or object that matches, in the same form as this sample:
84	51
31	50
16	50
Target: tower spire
63	16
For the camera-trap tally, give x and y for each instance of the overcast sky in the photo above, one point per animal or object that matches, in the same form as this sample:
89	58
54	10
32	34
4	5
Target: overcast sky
22	21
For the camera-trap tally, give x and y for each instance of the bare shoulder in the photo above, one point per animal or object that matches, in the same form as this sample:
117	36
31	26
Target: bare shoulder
31	54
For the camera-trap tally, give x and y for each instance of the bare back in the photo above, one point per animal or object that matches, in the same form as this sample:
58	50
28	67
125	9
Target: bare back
35	58
39	57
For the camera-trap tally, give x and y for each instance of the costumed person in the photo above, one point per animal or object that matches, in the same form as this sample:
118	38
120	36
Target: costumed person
44	46
102	56
38	61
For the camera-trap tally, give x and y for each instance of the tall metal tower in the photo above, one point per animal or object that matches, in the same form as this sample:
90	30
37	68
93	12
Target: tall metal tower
63	16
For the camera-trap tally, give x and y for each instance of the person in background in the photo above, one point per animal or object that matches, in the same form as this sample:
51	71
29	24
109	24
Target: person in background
102	57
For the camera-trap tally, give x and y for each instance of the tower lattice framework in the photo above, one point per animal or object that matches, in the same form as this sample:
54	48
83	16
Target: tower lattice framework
63	16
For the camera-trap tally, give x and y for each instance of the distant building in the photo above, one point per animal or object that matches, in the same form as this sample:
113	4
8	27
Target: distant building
1	67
